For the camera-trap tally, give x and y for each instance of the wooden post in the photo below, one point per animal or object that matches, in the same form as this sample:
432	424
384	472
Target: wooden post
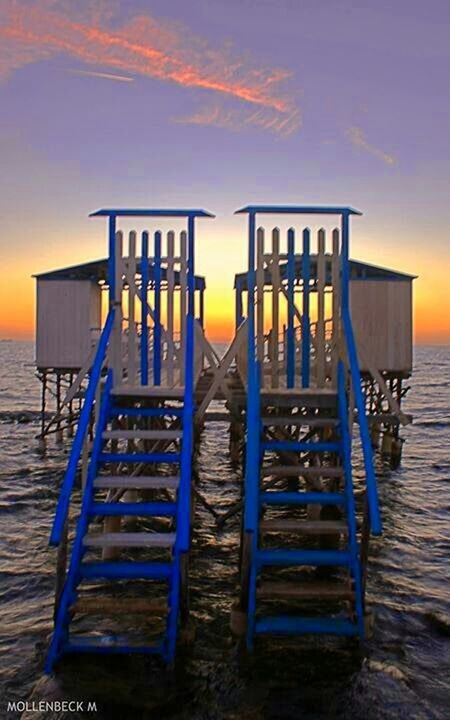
116	339
132	337
290	349
320	333
260	294
336	304
59	433
275	272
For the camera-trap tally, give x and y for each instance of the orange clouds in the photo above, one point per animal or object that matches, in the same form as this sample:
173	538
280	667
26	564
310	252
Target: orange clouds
146	47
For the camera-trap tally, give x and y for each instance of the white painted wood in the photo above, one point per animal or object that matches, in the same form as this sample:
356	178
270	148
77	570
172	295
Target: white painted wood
260	294
138	482
275	273
381	312
336	303
125	539
132	334
142	434
67	313
320	332
115	355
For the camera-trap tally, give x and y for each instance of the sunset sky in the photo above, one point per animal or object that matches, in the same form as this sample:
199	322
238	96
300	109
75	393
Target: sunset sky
218	104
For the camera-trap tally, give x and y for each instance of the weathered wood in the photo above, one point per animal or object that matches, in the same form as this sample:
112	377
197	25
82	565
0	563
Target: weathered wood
260	294
139	482
120	606
320	332
306	590
132	334
183	300
301	471
298	421
170	305
304	527
125	539
165	434
336	303
275	274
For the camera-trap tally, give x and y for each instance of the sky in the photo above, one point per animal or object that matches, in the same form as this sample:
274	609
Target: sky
219	104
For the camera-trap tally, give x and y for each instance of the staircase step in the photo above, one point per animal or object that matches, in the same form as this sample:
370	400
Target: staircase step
124	539
295	625
156	457
142	434
304	591
104	644
164	411
304	527
293	446
140	509
297	397
299	420
299	471
119	606
147	391
302	557
272	497
138	482
125	570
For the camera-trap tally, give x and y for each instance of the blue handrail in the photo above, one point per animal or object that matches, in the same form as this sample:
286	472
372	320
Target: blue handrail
371	483
62	508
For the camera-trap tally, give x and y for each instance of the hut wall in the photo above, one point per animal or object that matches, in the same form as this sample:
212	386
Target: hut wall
382	320
67	312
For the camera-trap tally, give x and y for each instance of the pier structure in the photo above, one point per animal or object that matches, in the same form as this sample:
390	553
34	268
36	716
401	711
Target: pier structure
311	383
137	467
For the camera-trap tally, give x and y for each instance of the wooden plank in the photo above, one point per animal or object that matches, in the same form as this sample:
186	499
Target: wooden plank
275	273
138	482
260	294
132	334
336	303
142	434
130	540
304	527
320	332
299	471
120	606
116	339
298	420
305	590
146	391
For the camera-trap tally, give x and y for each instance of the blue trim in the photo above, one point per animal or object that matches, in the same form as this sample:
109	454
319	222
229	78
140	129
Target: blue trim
298	210
62	508
306	340
144	212
157	312
290	370
295	625
144	309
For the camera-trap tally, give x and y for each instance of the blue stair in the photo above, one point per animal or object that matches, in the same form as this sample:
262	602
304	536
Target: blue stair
282	579
111	471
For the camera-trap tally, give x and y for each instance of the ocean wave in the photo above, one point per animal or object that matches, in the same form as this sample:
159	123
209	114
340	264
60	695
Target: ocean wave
22	416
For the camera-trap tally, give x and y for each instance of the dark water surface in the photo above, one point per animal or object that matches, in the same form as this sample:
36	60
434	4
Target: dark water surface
402	672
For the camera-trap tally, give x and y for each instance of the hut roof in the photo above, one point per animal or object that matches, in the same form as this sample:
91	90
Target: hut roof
97	270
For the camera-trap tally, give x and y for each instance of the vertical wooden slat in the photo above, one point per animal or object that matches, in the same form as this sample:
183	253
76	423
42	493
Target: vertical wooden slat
170	304
306	328
116	344
183	291
290	338
260	294
275	272
336	303
131	272
320	334
144	309
157	310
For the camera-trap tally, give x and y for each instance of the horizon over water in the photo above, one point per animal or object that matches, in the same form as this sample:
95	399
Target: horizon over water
401	672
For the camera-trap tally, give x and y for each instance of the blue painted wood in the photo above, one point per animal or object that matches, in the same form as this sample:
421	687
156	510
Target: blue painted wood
112	259
290	369
306	323
350	500
147	212
98	645
298	210
295	625
303	557
309	446
126	570
277	497
62	507
157	312
166	509
62	619
144	309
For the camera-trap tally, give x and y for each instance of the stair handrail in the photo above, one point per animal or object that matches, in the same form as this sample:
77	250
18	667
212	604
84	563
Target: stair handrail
62	508
371	483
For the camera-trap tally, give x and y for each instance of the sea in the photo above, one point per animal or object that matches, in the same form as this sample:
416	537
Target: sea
402	671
